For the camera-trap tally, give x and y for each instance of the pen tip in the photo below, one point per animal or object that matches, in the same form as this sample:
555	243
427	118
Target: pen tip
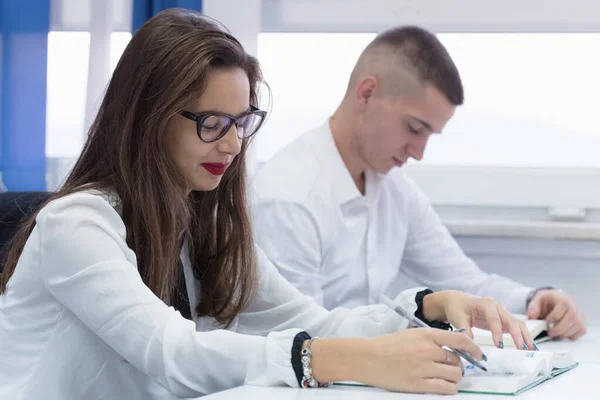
484	368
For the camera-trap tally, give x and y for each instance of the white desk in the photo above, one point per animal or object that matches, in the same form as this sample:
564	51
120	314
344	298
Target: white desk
585	349
580	383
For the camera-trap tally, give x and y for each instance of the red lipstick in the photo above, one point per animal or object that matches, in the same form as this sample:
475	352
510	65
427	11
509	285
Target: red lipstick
215	168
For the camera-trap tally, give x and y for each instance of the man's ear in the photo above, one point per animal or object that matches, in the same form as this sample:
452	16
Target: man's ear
366	89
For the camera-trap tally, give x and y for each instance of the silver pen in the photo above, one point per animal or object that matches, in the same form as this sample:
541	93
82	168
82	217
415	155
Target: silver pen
416	321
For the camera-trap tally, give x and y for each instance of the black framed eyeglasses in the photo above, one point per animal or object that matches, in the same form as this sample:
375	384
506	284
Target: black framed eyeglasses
212	125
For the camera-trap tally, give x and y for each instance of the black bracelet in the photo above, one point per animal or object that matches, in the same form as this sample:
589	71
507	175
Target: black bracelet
299	340
419	313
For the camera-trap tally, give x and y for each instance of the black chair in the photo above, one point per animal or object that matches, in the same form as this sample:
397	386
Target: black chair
15	207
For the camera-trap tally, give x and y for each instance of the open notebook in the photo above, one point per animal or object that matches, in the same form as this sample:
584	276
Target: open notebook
511	371
538	329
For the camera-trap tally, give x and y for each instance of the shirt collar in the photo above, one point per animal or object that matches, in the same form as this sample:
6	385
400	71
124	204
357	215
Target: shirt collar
343	186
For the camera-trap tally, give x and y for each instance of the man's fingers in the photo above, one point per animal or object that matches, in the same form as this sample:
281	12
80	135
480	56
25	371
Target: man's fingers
579	333
562	325
572	330
558	312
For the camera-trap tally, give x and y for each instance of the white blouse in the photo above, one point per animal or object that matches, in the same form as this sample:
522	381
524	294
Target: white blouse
77	321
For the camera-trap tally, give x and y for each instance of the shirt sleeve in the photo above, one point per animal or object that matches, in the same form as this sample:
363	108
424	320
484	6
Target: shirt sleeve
434	259
278	305
289	235
89	269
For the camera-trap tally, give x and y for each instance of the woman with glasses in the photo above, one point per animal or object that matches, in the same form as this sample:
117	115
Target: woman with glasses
139	278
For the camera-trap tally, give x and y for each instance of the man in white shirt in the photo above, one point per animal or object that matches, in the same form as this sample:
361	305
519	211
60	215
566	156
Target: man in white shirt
339	218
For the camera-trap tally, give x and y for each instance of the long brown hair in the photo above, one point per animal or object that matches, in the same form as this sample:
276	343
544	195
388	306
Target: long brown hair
164	69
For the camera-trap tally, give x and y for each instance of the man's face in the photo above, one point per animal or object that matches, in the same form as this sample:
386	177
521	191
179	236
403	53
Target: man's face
392	130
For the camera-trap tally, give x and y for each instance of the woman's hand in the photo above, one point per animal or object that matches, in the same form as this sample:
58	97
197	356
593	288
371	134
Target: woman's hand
465	311
411	360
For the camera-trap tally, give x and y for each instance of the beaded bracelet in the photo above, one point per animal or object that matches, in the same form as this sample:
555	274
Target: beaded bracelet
307	379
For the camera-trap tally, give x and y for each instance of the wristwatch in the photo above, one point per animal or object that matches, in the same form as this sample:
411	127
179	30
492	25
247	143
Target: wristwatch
532	294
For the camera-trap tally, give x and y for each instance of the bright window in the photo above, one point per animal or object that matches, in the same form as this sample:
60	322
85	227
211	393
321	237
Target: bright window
67	77
66	89
530	99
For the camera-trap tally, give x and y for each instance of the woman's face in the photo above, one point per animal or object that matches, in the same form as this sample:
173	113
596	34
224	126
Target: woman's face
203	164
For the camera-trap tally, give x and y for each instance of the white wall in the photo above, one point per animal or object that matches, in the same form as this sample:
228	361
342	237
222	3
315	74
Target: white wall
573	266
437	15
242	18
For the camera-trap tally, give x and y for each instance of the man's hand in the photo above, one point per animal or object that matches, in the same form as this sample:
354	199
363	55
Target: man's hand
560	311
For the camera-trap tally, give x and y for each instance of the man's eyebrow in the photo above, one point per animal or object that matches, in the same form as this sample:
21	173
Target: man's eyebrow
424	123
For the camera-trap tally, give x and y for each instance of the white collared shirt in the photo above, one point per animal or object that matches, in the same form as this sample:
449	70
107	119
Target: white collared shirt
346	249
77	321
